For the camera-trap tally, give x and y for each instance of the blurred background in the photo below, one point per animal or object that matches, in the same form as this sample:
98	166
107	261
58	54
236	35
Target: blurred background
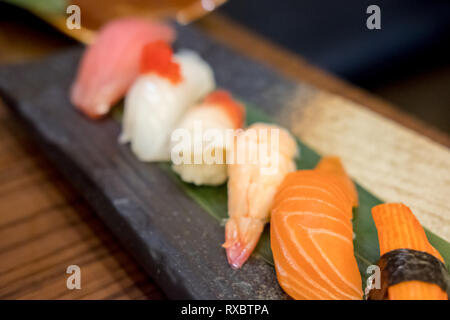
406	62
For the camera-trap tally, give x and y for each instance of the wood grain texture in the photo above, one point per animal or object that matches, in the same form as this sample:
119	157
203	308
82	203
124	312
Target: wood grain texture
46	226
395	163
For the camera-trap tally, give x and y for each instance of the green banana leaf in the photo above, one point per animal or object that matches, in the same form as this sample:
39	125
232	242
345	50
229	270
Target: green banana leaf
49	7
214	201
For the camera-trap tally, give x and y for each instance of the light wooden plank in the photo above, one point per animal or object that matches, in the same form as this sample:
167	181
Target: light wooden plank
393	162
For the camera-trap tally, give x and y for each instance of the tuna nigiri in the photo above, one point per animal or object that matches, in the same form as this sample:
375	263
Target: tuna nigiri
415	269
251	188
205	146
312	236
111	64
167	86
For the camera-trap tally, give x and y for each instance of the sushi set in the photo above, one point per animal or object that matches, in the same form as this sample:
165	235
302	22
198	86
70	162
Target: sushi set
114	118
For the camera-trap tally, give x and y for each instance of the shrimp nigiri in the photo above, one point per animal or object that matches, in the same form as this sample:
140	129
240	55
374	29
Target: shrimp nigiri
419	268
216	113
252	186
111	64
311	234
167	86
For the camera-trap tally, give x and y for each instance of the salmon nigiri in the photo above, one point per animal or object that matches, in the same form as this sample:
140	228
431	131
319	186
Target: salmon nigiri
311	234
402	238
167	85
252	185
111	64
205	144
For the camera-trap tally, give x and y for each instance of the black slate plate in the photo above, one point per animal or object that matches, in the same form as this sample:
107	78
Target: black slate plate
169	234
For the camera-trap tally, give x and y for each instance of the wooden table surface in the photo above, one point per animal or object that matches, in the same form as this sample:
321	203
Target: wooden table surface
45	226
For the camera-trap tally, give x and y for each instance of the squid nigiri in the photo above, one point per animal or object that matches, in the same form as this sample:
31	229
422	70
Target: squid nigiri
216	113
311	234
167	86
111	64
411	268
251	189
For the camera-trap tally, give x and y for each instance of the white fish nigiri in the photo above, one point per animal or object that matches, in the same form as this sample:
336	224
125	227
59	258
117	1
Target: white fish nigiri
217	113
167	86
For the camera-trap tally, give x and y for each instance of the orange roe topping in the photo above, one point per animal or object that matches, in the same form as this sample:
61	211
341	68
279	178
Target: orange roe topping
157	57
234	109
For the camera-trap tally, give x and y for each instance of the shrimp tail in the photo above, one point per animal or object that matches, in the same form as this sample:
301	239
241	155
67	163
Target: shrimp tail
241	236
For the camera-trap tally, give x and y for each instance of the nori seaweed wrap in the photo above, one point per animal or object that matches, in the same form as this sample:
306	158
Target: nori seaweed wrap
411	268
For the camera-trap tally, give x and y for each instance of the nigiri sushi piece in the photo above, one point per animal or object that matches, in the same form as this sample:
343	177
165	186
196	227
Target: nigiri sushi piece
332	165
206	165
111	63
168	84
404	244
311	234
251	188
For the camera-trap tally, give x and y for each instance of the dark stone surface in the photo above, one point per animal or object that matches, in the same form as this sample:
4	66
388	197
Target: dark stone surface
169	234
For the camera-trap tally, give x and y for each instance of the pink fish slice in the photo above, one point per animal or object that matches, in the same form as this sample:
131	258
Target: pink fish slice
111	64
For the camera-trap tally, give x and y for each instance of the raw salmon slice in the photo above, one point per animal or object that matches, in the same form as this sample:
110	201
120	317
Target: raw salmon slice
312	235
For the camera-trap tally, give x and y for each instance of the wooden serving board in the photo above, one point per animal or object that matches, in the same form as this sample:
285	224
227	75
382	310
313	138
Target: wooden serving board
168	233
